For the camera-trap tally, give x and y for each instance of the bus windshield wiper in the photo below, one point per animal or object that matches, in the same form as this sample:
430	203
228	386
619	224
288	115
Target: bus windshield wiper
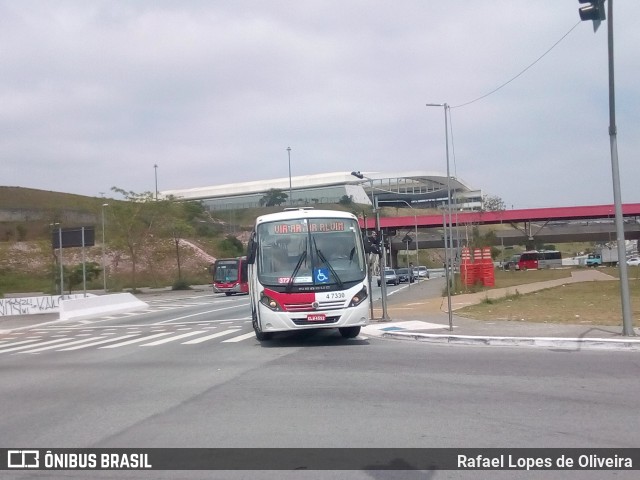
303	256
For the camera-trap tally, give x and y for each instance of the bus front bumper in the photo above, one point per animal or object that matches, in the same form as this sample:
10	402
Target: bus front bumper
287	321
223	289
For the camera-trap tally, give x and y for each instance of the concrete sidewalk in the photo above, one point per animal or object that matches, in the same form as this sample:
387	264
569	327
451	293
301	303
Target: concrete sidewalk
420	313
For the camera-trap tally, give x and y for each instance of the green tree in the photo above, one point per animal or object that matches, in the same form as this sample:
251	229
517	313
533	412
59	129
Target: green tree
172	220
273	197
479	240
131	224
192	210
75	277
179	228
231	247
492	203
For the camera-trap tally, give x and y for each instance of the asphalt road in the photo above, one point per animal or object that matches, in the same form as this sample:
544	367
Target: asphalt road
189	373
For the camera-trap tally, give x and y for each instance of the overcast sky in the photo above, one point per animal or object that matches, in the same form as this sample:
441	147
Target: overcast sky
93	94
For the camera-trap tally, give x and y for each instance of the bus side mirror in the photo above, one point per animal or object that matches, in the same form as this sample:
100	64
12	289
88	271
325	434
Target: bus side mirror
251	249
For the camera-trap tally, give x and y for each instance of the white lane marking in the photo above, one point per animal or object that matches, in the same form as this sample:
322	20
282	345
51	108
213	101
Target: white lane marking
171	339
240	338
201	313
137	340
210	337
100	342
6	350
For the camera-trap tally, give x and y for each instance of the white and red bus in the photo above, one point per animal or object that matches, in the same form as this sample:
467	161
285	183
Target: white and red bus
307	270
230	275
536	260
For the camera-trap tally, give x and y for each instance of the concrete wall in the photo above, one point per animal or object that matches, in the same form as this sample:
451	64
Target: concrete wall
33	305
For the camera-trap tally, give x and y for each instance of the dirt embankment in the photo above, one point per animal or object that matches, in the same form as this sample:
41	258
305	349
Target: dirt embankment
161	261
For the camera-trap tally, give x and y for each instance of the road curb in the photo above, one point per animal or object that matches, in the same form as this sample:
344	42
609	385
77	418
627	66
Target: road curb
544	342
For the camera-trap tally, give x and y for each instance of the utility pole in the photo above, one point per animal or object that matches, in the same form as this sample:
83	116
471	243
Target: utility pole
290	194
595	12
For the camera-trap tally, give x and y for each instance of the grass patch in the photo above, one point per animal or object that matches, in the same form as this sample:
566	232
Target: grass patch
504	279
24	282
585	303
511	278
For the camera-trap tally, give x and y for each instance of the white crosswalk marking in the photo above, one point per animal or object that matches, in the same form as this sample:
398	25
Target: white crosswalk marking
77	338
137	340
53	347
19	343
100	342
171	339
239	338
15	349
210	337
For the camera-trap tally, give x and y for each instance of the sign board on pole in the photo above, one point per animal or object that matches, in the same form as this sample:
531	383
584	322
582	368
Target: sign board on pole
73	237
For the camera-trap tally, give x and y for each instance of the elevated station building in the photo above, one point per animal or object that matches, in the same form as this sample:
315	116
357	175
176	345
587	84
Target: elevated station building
418	188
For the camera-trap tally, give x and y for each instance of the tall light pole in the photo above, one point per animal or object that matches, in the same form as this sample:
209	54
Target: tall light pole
447	244
104	262
595	12
155	166
57	224
289	155
627	320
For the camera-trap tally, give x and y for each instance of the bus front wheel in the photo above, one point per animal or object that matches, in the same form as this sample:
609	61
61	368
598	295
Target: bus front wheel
260	335
349	332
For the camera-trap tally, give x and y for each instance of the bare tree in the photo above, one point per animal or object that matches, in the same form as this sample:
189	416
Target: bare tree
492	203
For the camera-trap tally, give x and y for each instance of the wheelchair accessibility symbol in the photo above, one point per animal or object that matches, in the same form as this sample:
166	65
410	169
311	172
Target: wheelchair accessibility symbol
322	275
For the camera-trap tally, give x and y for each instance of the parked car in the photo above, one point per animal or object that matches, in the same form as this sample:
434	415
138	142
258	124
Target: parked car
390	277
420	272
633	262
405	275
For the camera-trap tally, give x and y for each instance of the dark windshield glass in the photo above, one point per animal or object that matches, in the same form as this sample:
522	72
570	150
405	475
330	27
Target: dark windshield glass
226	272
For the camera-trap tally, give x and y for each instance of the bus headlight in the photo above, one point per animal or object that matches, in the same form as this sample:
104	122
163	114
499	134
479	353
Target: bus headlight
270	303
359	297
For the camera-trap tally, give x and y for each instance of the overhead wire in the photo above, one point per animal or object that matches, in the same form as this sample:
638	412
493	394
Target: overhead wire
519	74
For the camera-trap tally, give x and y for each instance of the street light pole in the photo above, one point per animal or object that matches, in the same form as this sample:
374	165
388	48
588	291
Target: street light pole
61	267
449	244
627	320
56	224
155	166
104	263
290	194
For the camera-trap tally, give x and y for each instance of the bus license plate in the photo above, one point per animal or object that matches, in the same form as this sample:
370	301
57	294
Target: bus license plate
316	317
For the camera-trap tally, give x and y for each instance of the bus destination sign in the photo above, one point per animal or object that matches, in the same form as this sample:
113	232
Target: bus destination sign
328	226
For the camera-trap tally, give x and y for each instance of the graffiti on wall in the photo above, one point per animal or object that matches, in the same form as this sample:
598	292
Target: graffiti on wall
33	305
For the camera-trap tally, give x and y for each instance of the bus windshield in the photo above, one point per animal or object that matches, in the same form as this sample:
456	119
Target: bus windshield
325	253
226	271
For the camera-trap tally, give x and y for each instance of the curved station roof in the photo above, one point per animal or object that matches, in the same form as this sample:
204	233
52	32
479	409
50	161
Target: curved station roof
412	186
